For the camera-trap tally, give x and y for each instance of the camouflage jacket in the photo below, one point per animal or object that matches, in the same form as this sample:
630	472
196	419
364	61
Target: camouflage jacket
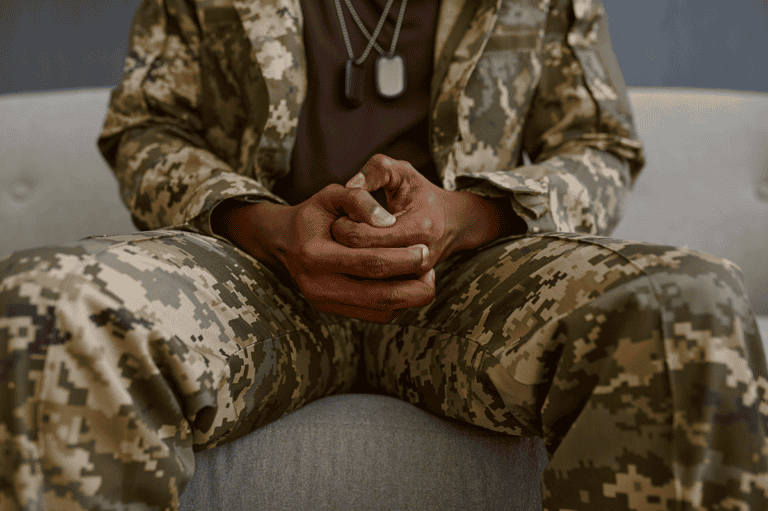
212	89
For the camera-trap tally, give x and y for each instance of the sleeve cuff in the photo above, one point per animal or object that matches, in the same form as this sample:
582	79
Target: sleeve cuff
226	185
579	192
529	197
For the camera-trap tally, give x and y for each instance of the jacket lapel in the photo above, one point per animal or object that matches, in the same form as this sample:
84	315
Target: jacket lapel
275	29
459	49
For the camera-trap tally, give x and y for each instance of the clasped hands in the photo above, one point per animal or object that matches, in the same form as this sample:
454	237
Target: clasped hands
387	259
351	257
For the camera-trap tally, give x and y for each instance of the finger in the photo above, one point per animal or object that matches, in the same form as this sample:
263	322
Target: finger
380	171
372	263
406	232
376	295
359	205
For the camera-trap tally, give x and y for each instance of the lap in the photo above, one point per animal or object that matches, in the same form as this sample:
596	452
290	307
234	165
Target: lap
170	341
496	322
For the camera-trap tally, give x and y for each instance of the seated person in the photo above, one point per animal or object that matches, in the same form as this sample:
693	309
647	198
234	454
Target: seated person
426	194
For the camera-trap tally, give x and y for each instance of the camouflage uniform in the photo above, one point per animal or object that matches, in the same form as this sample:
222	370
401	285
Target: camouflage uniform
639	365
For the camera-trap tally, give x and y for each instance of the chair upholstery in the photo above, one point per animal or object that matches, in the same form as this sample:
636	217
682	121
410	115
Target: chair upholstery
705	186
369	452
54	184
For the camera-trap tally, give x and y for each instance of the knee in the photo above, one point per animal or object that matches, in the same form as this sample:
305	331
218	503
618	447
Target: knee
640	286
701	295
39	278
32	278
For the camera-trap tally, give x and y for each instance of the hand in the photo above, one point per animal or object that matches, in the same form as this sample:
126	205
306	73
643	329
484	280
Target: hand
354	282
444	221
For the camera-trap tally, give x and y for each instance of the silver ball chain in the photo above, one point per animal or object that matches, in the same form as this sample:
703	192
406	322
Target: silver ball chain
371	38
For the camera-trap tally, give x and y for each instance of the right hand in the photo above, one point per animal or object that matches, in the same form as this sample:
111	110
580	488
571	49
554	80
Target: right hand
372	284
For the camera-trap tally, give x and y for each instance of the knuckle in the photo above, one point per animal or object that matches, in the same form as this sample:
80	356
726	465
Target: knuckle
359	195
430	228
427	225
374	267
353	239
381	159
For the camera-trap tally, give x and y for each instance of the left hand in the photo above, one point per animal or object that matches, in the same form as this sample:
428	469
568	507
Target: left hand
443	220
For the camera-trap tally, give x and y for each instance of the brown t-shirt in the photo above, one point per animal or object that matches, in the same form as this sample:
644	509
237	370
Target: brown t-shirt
333	141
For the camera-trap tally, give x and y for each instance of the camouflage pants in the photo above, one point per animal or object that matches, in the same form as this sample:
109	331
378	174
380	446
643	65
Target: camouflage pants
640	366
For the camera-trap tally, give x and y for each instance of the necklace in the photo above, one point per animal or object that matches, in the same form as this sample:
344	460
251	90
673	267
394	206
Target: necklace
390	68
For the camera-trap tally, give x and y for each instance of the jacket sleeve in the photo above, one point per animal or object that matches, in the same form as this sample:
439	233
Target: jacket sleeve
174	162
579	134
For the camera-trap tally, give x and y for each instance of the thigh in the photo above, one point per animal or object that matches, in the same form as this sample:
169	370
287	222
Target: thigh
529	321
149	344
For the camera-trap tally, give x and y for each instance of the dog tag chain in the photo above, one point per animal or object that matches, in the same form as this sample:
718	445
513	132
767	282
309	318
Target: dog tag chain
390	68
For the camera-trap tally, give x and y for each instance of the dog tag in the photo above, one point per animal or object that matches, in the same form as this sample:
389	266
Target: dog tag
390	76
354	84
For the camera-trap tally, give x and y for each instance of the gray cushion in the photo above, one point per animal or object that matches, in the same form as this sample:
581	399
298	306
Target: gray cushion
368	452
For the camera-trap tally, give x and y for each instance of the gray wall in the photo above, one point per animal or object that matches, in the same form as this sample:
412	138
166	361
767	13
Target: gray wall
63	44
718	44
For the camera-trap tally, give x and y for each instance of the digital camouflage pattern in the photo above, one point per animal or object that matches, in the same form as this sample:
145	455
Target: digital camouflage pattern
121	355
639	365
210	100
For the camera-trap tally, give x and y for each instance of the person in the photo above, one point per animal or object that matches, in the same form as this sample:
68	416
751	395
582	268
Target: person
427	195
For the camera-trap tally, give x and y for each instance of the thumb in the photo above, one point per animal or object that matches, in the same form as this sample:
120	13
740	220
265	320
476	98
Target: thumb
359	206
378	172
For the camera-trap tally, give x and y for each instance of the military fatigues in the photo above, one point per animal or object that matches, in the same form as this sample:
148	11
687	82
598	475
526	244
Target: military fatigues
639	365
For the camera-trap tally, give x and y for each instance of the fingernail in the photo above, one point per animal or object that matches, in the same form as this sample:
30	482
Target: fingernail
356	182
424	251
431	275
382	217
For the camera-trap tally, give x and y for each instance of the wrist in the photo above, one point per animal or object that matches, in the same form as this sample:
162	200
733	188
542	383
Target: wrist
257	228
223	218
476	220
